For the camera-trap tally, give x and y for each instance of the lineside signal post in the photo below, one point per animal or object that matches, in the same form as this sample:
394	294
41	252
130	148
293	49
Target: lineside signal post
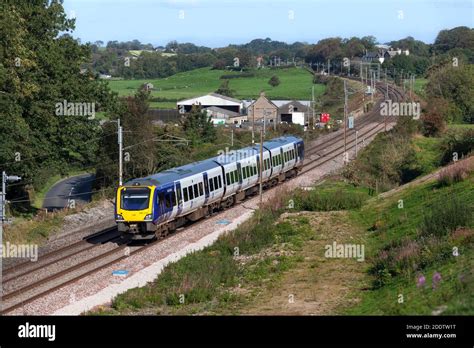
5	180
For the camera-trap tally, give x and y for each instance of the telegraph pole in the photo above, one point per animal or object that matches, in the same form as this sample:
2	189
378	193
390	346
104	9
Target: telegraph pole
3	195
120	143
253	125
345	114
261	168
312	97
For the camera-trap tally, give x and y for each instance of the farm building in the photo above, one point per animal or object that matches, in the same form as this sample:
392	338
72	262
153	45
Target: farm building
261	109
293	110
210	100
222	116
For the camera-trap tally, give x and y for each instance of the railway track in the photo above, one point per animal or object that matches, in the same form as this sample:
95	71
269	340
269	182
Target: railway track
19	295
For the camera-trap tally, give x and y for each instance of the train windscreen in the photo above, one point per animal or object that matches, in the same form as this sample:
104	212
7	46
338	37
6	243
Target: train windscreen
135	198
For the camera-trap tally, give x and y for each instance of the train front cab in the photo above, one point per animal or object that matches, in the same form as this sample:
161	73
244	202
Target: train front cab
134	209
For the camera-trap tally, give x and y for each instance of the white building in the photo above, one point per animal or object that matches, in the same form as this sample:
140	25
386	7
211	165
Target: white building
210	100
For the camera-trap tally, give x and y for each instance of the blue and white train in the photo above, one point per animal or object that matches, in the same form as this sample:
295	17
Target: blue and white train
160	203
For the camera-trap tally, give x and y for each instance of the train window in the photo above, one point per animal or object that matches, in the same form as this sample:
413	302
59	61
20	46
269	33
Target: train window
168	201
211	185
160	197
234	176
173	198
227	177
220	181
185	194
190	191
178	193
244	173
254	170
201	191
216	186
247	169
196	191
279	160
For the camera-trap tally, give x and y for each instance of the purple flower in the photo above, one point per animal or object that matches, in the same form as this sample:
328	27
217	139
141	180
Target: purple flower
421	281
436	279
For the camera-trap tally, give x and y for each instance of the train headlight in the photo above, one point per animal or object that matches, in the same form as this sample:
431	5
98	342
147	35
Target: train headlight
148	217
118	217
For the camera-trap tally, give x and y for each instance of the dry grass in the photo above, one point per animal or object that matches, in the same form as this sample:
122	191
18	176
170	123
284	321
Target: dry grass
455	173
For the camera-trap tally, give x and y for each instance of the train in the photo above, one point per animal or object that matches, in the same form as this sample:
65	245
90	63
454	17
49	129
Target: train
157	205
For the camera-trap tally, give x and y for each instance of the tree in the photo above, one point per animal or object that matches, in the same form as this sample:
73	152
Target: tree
40	67
455	85
434	119
459	37
198	126
274	81
224	89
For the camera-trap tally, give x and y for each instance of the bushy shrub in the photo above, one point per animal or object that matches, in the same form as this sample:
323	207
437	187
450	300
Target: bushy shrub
445	215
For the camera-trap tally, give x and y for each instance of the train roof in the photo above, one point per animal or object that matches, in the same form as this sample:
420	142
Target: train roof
255	150
277	142
194	168
173	174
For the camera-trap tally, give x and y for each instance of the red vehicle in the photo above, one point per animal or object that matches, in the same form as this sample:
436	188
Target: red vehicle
324	117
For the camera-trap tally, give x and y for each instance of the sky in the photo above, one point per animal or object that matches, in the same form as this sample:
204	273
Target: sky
217	23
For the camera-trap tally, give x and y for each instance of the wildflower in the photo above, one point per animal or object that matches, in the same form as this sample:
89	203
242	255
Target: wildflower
436	279
421	281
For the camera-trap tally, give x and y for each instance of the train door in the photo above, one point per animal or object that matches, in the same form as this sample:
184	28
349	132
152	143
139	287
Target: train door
179	198
239	172
166	201
300	151
282	160
206	187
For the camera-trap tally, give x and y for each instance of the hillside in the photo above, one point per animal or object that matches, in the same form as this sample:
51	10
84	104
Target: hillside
412	252
295	83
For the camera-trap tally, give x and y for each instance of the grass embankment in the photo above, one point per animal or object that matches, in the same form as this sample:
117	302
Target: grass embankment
420	250
295	83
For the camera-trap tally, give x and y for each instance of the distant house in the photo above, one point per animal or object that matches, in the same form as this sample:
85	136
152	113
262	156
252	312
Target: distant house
211	100
383	53
262	109
287	112
104	76
374	57
148	86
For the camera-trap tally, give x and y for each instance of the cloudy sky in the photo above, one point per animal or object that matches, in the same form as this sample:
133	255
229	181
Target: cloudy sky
216	23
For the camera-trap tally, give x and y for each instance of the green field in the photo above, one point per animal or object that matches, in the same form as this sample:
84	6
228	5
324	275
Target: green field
295	83
420	86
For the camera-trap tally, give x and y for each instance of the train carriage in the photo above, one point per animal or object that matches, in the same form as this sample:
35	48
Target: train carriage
160	203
